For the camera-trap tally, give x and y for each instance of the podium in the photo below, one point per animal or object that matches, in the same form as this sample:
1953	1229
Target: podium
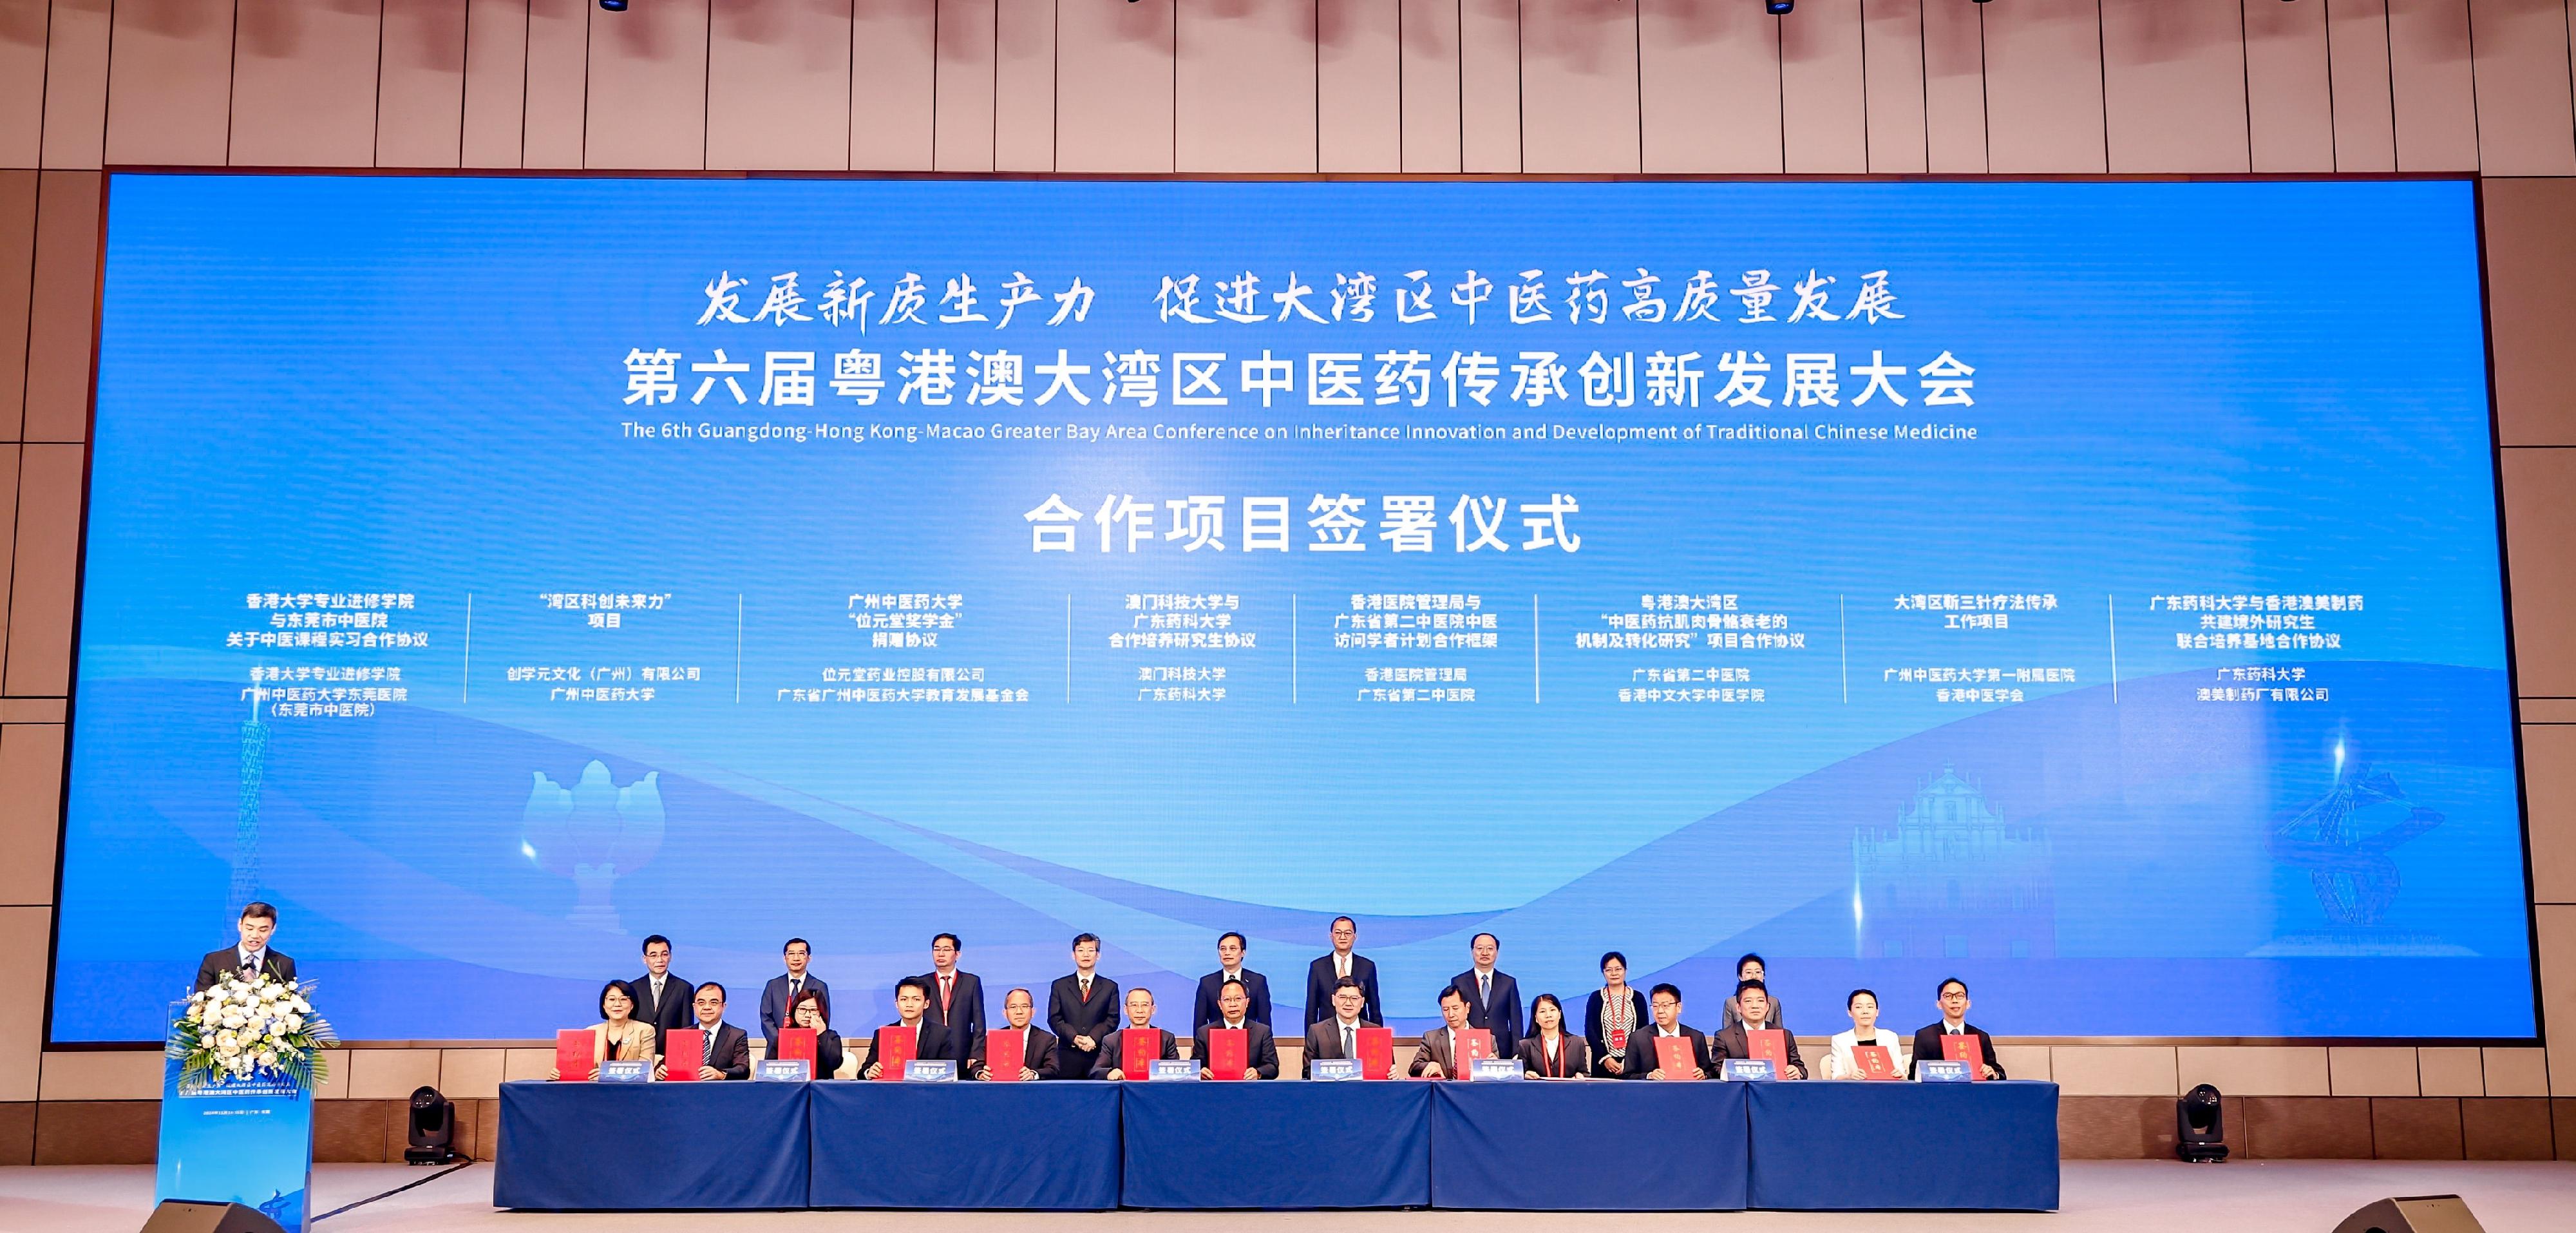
248	1142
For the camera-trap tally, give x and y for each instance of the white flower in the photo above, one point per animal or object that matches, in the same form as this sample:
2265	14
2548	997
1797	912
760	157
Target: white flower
295	1023
301	1007
234	1019
267	993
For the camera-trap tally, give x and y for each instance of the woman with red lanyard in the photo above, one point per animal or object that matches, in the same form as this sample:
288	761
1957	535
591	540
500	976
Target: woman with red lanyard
1616	1009
1551	1052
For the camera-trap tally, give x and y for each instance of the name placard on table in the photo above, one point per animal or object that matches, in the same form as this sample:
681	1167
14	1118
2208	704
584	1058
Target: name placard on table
785	1070
1930	1071
1335	1070
1167	1070
930	1070
626	1072
1748	1070
1492	1068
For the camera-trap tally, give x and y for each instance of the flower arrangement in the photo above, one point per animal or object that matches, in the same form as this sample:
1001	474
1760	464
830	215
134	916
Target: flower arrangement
236	1030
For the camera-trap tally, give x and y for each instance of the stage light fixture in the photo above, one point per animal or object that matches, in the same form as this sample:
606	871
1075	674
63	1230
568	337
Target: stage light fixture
1778	8
433	1129
613	6
2200	1126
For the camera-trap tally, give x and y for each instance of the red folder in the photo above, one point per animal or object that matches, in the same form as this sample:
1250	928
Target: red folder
1617	1039
1466	1046
1772	1045
1138	1050
796	1043
1230	1053
574	1050
1377	1052
1675	1057
1006	1054
1876	1061
1966	1047
684	1050
896	1045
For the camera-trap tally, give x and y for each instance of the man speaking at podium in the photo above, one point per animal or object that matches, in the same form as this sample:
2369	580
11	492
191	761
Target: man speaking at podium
252	957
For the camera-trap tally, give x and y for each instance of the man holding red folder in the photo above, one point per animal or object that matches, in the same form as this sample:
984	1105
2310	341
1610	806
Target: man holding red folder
1037	1045
1152	1044
1645	1058
1743	1039
1338	1034
929	1040
1236	1045
1438	1058
1954	1022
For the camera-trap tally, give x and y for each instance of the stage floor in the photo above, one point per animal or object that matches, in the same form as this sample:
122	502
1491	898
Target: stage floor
2295	1196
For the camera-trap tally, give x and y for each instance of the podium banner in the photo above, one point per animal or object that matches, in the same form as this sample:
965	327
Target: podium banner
239	1141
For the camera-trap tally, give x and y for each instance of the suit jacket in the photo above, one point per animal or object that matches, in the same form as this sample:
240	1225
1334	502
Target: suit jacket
1204	1010
828	1055
1842	1063
1069	1015
674	1010
1261	1048
1731	1041
1927	1044
1037	1054
1324	1040
964	1016
1437	1046
1113	1052
1502	1017
219	964
931	1044
774	1007
1574	1056
1641	1052
729	1050
1319	989
1598	1036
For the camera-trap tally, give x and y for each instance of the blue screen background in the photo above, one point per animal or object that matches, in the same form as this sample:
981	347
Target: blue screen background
418	386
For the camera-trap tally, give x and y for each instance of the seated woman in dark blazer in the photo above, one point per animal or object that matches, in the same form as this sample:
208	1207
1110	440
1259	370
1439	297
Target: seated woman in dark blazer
830	1060
1549	1051
1616	1009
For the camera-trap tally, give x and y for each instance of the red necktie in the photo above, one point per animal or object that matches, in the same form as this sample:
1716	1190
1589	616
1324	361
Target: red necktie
946	983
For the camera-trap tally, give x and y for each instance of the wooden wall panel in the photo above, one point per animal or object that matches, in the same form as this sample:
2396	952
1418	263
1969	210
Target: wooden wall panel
2289	98
646	107
2520	57
2539	523
76	38
25	937
1489	85
2531	299
304	83
2365	123
1428	66
2174	86
1114	87
496	82
1711	87
42	581
9	465
1243	86
1824	90
17	279
1954	87
778	85
558	84
961	130
1359	83
66	284
31	794
1892	63
2428	73
420	96
22	81
1579	87
170	82
1024	65
2044	87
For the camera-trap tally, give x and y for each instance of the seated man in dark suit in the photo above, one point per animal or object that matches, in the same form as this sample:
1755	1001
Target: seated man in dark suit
1493	997
930	1041
1338	1035
1753	1001
661	999
1234	1010
1037	1052
1113	1047
778	998
1644	1060
1438	1056
1954	1022
1327	973
1081	1008
1230	969
728	1047
251	959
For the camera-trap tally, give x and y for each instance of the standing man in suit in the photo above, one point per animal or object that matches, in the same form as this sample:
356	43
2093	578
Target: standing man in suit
1493	998
1438	1056
661	999
1037	1053
1113	1047
929	1040
1752	1001
1324	975
1954	1022
1230	970
956	998
1234	1010
1338	1035
778	1000
1081	1008
728	1047
253	957
1644	1060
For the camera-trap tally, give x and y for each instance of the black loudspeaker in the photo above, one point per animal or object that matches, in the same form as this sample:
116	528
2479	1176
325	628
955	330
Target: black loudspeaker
2427	1213
181	1216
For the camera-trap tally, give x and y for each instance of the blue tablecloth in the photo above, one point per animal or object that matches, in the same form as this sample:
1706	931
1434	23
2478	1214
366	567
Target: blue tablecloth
1980	1146
1594	1145
966	1145
650	1146
1284	1143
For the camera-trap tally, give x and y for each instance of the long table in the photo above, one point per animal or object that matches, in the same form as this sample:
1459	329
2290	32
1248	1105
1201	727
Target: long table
1590	1146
